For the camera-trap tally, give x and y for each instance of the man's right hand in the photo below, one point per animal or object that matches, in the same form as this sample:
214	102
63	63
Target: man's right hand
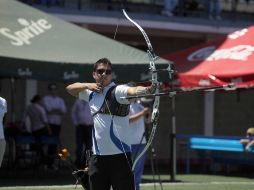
75	88
97	87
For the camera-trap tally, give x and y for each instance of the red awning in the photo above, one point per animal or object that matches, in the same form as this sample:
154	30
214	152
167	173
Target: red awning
218	62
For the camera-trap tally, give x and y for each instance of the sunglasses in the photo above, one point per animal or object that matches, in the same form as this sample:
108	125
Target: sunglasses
102	71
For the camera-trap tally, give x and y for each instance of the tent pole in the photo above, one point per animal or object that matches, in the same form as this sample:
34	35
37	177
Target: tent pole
209	113
173	142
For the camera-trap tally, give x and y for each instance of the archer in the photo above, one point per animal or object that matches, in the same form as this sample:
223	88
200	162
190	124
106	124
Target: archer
110	164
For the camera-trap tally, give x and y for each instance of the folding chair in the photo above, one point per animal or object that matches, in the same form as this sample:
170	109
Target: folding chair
26	156
51	140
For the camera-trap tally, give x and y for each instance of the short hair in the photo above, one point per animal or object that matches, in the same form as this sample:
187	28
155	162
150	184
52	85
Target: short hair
35	99
250	131
105	61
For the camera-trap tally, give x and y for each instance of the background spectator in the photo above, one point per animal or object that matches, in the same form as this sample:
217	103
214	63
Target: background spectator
83	122
214	9
138	140
3	110
55	108
249	140
36	115
169	6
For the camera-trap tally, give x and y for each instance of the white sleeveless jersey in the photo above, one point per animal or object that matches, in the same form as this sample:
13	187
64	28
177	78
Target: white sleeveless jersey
110	133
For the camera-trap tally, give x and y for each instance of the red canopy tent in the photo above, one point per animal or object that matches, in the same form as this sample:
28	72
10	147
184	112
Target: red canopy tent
217	62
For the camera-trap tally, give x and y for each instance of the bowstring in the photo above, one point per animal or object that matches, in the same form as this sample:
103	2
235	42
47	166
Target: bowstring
124	151
118	19
131	166
116	30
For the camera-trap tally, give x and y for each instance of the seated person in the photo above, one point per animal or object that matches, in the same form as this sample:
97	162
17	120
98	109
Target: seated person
249	140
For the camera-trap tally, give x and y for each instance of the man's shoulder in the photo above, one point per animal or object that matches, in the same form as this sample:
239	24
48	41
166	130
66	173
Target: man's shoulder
2	99
3	102
121	91
122	85
85	95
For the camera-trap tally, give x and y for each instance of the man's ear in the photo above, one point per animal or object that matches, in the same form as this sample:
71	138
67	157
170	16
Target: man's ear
94	75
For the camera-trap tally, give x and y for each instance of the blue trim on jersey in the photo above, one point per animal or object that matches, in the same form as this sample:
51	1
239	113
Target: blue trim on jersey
119	144
97	152
91	95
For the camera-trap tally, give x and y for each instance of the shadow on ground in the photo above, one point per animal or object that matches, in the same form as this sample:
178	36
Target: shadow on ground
27	177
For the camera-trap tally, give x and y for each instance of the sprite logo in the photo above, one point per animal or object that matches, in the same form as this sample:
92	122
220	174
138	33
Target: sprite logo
30	30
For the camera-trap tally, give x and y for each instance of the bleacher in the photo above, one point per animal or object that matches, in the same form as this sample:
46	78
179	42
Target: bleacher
223	150
184	8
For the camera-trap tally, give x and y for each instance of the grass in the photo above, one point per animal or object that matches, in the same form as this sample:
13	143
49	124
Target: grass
186	182
201	182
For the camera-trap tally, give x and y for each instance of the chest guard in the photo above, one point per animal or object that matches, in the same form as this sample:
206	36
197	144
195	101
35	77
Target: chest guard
111	106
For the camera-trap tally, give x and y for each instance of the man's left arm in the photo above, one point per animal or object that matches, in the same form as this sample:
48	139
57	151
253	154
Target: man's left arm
125	91
140	90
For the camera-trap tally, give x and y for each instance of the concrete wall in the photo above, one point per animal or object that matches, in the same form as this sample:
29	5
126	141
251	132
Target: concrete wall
234	112
189	120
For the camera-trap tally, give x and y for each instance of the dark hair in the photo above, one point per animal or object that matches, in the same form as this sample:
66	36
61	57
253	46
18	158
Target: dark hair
105	61
35	99
52	86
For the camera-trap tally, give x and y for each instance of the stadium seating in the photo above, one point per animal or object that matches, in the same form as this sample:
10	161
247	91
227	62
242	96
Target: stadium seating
219	149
